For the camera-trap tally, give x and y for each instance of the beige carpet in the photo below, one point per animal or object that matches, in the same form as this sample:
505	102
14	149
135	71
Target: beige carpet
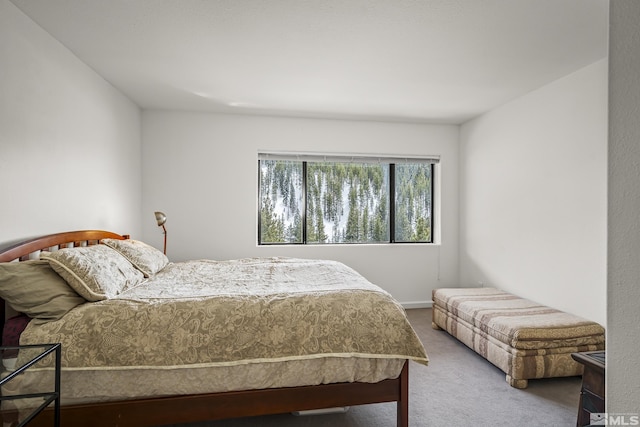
457	389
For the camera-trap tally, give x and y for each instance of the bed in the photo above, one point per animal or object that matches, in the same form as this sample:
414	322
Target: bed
218	339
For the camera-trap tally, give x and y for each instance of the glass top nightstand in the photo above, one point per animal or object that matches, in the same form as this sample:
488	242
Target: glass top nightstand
31	385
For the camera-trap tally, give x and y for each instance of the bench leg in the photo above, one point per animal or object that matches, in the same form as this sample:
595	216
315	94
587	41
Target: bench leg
434	325
517	383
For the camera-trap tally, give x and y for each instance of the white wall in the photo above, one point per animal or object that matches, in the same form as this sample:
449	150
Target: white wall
623	361
201	170
69	142
533	176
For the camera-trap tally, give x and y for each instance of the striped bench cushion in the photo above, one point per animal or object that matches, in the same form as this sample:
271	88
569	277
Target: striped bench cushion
517	322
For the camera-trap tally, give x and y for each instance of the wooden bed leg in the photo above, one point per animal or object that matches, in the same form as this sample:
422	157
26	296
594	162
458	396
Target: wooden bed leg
403	402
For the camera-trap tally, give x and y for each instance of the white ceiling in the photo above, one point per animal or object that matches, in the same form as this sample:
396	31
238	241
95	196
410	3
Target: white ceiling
442	61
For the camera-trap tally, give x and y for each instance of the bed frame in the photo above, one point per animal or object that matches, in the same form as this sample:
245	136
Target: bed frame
204	407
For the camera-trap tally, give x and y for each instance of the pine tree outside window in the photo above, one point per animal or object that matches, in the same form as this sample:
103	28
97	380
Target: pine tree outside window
324	199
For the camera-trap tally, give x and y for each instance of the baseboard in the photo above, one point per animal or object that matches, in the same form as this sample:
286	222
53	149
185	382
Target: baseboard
417	304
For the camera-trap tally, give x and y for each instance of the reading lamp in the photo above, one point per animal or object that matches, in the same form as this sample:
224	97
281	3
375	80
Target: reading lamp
161	218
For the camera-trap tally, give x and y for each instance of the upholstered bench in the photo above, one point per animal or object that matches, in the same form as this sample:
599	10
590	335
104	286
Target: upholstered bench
524	339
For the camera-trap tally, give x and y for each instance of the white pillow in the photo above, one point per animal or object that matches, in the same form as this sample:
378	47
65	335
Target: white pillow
144	257
95	272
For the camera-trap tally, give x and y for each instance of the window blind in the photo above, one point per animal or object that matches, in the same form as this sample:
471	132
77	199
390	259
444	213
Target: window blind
346	157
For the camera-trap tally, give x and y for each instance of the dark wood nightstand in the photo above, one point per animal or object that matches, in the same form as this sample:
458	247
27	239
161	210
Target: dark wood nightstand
592	392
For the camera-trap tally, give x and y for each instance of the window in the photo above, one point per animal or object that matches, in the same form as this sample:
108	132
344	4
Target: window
312	199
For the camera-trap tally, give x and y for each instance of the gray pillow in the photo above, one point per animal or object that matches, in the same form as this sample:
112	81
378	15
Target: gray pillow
33	288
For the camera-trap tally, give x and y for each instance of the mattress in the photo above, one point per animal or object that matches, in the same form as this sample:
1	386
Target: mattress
115	384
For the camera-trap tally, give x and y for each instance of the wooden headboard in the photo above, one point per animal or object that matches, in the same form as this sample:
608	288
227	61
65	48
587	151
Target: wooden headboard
22	251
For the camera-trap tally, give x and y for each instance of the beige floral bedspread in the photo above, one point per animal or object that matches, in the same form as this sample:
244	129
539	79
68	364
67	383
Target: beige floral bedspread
226	313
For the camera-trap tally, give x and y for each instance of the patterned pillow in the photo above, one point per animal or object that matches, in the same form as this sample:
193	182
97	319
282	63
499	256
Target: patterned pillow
33	288
145	258
96	272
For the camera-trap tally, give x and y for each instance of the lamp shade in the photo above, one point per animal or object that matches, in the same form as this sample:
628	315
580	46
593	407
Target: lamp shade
161	218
